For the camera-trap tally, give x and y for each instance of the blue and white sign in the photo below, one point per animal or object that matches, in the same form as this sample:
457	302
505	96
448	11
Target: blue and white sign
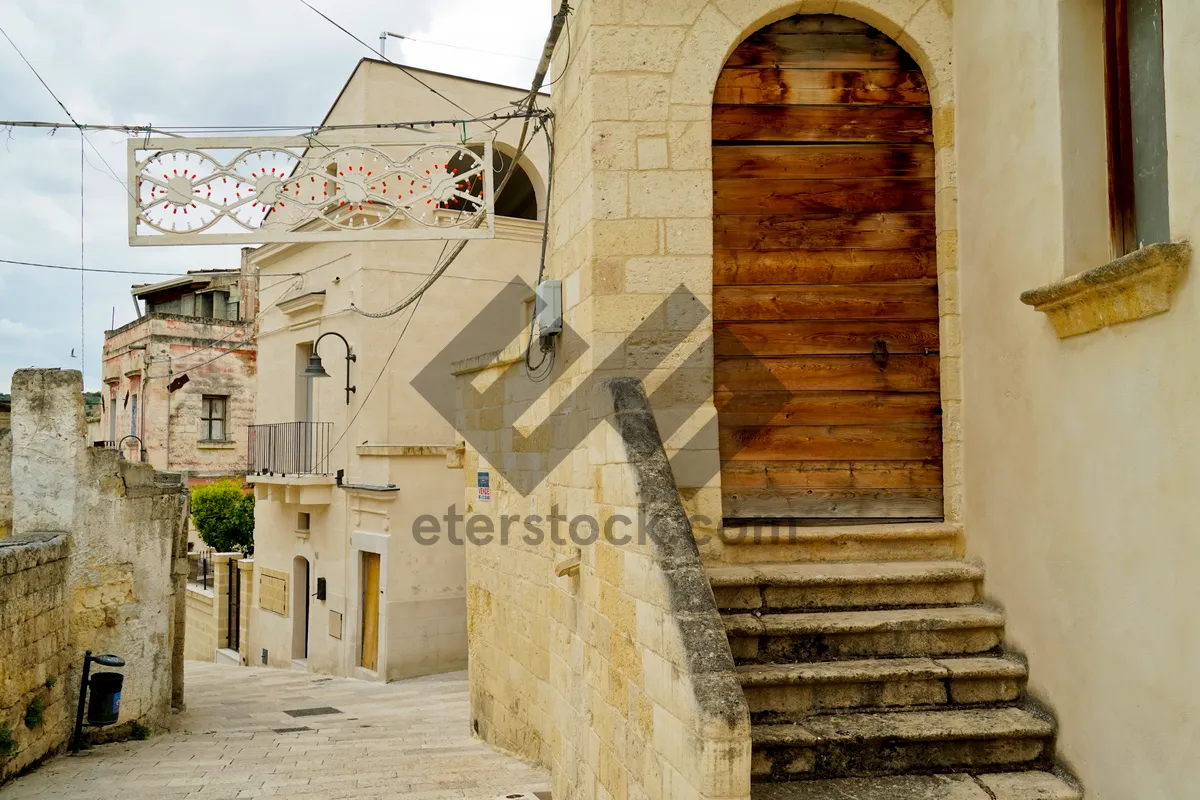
484	484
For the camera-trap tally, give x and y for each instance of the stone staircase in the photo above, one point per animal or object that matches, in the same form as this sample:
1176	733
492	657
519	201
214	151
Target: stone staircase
874	670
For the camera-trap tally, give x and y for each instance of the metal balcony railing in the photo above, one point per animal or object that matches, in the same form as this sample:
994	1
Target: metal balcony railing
290	448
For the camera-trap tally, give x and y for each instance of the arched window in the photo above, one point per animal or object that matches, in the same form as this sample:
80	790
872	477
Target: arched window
518	200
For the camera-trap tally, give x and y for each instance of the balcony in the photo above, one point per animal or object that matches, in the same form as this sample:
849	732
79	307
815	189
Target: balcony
288	462
290	449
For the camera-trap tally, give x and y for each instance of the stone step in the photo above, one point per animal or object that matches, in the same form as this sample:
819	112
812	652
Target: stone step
834	635
892	743
789	692
1002	786
753	544
851	584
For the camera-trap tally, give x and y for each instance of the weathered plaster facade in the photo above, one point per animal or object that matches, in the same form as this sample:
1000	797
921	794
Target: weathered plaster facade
179	335
96	562
391	443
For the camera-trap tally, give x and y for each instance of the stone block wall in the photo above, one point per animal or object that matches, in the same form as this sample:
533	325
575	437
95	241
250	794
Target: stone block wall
33	648
208	609
200	643
5	482
631	239
618	677
108	577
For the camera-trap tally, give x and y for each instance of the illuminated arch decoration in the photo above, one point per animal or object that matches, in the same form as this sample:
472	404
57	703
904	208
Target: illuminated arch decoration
336	186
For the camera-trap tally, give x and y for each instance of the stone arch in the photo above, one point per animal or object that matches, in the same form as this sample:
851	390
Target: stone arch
531	172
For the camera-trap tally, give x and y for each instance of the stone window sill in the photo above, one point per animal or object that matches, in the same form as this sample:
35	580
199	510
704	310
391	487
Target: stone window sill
210	444
1132	287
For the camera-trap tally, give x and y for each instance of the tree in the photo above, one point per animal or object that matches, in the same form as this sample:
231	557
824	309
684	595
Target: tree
223	513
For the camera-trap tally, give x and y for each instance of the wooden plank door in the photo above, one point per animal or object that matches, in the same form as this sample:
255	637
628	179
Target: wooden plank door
825	297
370	611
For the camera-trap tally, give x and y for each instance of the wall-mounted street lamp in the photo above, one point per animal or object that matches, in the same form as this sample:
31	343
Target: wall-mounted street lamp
316	369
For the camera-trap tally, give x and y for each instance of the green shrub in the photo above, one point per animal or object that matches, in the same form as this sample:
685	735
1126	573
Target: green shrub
50	681
223	514
35	713
8	745
139	731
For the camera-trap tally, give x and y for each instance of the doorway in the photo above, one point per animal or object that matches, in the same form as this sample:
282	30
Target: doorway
300	602
825	293
369	655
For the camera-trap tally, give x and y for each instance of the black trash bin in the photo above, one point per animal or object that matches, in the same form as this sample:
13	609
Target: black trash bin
104	700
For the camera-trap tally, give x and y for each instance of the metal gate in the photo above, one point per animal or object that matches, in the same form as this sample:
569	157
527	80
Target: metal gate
234	595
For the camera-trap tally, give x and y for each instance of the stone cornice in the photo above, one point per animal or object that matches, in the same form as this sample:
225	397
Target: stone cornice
1132	287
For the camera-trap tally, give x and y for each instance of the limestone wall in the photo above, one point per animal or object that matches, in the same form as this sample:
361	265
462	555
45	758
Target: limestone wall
5	482
200	644
208	610
122	567
618	677
34	652
631	240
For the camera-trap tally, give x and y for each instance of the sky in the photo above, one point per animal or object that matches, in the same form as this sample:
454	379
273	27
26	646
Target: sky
220	62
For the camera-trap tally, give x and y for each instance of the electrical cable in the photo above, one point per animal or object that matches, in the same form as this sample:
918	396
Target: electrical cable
177	130
533	371
363	403
458	247
385	58
61	104
125	271
539	77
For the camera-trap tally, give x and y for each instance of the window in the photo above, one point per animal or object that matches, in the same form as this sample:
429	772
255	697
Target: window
212	417
1137	124
518	200
133	415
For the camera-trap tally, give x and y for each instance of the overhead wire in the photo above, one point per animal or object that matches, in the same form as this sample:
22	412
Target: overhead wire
530	102
82	228
403	69
379	376
128	271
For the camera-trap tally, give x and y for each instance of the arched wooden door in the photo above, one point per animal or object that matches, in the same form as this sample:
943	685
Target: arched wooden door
825	282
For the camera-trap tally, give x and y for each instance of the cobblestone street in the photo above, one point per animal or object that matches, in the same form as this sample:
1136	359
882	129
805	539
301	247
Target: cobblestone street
408	739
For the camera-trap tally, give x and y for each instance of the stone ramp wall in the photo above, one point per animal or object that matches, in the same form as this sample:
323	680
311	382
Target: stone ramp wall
33	648
618	677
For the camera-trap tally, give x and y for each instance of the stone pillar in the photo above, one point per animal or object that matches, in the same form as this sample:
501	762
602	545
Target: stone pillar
48	439
5	481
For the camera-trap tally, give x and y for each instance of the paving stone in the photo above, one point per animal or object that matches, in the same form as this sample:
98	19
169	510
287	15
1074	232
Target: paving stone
406	739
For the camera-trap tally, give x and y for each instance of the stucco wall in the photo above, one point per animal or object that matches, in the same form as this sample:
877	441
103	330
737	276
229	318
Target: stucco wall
388	433
33	647
1082	454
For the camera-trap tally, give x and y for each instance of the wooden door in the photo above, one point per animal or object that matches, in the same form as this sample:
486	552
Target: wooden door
825	297
370	611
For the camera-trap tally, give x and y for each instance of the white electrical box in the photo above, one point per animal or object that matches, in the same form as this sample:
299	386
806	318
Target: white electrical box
547	309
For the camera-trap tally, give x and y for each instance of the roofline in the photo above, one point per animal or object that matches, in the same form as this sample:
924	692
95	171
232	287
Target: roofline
437	74
365	60
192	277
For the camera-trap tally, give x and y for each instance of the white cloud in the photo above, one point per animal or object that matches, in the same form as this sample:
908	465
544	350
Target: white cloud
229	62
